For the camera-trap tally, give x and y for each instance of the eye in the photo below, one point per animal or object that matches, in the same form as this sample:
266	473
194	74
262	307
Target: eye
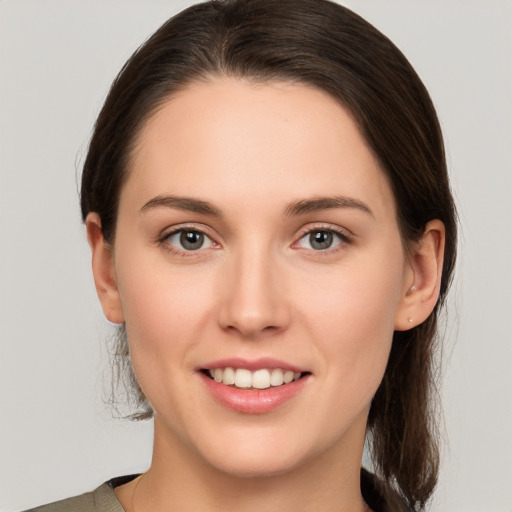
189	240
321	240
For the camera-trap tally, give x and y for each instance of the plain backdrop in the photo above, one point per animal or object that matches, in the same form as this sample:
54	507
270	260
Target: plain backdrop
57	59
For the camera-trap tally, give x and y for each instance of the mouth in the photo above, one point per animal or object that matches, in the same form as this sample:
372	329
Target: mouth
263	378
253	386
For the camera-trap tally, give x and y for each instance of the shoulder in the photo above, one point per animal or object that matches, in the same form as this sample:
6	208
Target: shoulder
83	503
102	499
87	502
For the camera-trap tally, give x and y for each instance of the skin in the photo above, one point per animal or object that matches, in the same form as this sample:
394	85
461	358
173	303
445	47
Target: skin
257	288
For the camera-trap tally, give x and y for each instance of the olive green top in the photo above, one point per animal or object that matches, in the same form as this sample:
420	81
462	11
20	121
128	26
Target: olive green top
101	499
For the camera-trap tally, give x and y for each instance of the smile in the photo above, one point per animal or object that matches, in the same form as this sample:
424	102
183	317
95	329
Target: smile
243	378
254	386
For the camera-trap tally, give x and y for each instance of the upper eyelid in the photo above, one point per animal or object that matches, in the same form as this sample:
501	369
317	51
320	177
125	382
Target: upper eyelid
342	231
172	230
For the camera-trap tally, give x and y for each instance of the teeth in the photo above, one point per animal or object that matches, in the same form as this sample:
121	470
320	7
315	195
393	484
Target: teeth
276	377
228	377
243	378
260	379
288	377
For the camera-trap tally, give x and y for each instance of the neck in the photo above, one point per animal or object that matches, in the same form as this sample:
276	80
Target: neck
179	479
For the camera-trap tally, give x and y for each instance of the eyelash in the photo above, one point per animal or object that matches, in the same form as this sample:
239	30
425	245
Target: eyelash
163	240
345	239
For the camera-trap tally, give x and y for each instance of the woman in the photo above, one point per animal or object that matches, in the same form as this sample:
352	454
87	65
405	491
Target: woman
271	225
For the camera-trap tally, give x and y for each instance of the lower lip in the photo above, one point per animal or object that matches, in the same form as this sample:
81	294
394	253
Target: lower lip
253	401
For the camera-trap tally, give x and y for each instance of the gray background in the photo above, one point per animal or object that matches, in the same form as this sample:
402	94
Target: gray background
57	59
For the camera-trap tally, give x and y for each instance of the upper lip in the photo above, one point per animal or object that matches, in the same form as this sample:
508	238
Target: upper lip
253	365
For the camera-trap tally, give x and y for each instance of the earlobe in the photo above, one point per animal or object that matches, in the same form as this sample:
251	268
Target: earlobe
423	280
103	270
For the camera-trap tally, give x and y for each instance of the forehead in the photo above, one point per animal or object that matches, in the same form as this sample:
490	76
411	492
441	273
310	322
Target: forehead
254	139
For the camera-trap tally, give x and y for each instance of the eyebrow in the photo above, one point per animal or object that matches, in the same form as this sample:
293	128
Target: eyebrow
293	209
182	203
325	203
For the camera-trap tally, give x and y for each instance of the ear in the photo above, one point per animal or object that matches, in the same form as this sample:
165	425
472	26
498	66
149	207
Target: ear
103	270
422	278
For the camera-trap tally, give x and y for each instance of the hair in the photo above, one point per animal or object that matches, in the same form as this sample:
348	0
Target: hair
326	46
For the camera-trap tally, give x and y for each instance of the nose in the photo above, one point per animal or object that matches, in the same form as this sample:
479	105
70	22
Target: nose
254	298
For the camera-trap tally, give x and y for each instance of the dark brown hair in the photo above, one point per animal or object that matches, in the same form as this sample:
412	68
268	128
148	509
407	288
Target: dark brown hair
324	45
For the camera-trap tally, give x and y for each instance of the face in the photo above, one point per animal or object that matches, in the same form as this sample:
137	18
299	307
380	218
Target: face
261	274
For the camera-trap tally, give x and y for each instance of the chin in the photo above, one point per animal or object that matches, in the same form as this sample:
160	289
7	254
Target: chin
265	458
255	467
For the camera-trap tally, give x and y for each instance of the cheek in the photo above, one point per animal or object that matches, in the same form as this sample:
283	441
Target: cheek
164	313
353	319
156	295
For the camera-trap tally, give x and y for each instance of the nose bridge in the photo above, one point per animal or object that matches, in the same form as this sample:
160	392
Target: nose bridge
252	291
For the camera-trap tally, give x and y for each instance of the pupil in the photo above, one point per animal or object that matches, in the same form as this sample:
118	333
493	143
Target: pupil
320	240
191	240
